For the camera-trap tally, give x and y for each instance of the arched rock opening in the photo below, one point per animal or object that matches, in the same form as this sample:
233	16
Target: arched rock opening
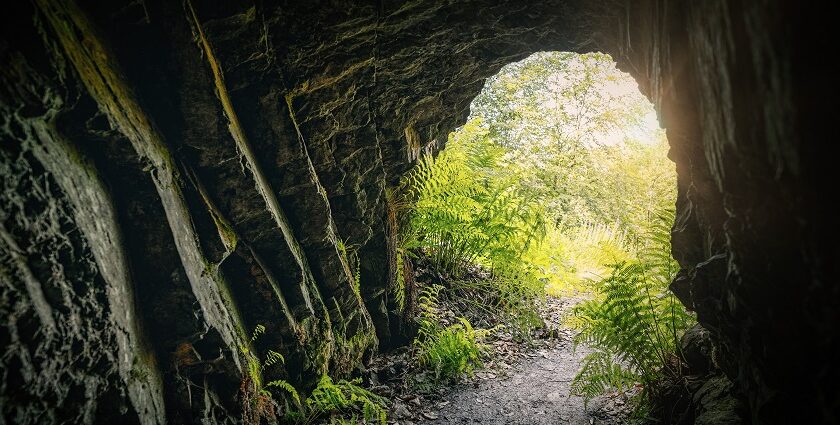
176	174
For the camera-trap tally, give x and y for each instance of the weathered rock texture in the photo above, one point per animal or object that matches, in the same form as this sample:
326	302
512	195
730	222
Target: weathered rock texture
176	173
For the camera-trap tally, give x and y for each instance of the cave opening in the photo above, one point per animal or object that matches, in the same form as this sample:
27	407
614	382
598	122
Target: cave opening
554	199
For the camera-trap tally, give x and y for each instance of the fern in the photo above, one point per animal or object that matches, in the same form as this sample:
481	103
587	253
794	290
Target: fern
467	212
399	281
447	351
600	373
257	398
287	387
635	322
345	397
451	351
258	330
271	358
328	398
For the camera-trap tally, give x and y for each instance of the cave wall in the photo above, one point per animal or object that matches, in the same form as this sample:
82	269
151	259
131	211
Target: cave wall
177	173
742	90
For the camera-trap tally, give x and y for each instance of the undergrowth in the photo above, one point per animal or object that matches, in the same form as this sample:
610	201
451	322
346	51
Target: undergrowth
634	322
341	402
449	351
465	212
535	194
472	225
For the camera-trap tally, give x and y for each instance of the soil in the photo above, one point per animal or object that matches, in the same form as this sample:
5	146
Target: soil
522	383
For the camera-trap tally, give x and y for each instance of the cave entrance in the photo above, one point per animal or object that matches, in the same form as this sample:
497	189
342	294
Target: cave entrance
576	140
549	214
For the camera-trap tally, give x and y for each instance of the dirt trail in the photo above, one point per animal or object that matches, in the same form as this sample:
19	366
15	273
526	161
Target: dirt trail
533	390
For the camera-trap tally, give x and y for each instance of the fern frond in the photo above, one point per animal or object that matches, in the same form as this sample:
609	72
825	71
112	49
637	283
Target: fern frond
635	323
288	388
272	358
258	330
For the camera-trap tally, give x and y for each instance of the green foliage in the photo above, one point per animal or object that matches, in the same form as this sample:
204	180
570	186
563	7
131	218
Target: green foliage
399	281
466	212
343	398
258	397
448	351
329	399
557	168
634	322
577	132
272	358
600	373
285	386
258	330
552	183
569	260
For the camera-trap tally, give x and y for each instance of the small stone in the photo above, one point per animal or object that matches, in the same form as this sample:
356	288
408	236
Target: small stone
429	415
400	410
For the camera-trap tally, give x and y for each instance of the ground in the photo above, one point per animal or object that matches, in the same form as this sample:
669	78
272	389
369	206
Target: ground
520	384
536	391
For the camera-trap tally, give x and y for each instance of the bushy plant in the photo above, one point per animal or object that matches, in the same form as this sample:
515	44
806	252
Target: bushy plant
449	351
338	399
634	323
467	211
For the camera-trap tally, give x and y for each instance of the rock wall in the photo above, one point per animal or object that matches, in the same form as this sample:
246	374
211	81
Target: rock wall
177	173
743	92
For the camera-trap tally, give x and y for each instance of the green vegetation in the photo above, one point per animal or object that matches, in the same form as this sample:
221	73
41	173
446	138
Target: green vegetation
633	322
339	402
466	212
557	184
342	402
449	351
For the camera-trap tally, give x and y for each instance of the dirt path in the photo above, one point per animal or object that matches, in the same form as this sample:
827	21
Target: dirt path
527	384
533	390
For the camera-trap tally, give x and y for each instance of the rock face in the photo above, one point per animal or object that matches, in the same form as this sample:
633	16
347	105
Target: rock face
745	106
175	174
